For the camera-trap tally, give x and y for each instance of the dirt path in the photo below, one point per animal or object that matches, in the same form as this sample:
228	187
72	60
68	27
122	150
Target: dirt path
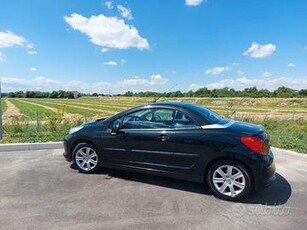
11	112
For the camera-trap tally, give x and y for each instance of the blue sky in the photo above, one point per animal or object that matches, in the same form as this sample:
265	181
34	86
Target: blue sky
116	46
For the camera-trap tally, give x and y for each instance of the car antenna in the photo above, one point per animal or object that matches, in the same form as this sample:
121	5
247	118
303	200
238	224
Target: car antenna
156	99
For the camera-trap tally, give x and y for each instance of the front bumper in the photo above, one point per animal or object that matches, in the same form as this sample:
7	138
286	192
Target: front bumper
67	149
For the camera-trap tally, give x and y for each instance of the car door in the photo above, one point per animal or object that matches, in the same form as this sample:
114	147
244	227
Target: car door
170	141
135	133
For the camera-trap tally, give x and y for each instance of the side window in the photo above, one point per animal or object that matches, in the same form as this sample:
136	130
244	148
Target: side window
149	119
183	121
154	119
137	120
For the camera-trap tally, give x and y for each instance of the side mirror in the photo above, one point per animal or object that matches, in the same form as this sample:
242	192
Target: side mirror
115	129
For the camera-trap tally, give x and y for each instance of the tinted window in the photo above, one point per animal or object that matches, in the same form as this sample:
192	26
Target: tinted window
182	121
149	119
211	116
154	119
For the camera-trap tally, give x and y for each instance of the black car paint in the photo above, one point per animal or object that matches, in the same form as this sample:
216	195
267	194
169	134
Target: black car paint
183	153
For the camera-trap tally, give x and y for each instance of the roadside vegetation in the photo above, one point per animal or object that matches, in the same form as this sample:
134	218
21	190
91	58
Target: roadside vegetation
40	119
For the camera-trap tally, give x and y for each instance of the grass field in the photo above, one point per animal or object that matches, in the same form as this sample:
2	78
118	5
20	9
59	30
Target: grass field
32	120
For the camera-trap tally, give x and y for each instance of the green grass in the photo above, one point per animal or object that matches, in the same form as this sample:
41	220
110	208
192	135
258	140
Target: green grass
30	111
4	106
18	132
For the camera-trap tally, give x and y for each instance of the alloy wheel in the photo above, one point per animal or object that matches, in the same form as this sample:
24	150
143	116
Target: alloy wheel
86	158
229	180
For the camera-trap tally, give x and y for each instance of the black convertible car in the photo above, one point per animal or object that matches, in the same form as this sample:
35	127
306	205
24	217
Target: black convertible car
177	140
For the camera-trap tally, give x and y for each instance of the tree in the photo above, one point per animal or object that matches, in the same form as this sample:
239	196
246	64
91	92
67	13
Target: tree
284	92
54	94
69	94
30	94
61	94
12	94
303	92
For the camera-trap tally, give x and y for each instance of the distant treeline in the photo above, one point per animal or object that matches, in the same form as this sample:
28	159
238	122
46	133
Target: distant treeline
281	92
38	94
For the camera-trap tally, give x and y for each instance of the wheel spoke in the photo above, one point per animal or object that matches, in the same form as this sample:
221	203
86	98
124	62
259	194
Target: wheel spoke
93	162
229	170
218	180
82	164
88	151
220	171
80	152
93	155
239	185
237	175
223	187
232	190
88	165
79	158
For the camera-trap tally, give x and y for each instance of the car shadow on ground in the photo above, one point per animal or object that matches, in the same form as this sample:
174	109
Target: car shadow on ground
277	194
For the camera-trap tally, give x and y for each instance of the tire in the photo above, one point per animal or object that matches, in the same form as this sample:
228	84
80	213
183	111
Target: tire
229	180
86	158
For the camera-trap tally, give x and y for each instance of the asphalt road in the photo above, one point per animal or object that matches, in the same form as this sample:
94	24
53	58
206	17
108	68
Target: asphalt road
38	190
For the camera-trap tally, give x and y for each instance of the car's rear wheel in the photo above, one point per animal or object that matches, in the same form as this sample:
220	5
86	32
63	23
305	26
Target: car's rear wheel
86	158
229	180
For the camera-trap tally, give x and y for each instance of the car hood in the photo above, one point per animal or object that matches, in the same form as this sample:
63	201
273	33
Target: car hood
94	123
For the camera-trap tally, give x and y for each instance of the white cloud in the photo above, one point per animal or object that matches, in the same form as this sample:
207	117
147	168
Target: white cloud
260	51
241	83
154	83
109	4
195	87
291	65
9	39
43	81
267	74
123	61
235	64
193	2
217	70
32	52
32	69
124	12
2	57
108	32
103	50
138	83
112	63
157	80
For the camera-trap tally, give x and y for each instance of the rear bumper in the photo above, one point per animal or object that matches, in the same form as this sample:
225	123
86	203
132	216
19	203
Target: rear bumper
265	174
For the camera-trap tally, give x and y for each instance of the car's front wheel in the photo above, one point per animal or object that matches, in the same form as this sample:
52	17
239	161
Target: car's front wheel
86	158
229	180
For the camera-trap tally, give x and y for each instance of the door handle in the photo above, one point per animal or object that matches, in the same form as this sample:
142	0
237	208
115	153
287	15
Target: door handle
163	137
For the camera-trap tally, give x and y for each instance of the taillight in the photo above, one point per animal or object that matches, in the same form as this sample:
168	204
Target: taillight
255	144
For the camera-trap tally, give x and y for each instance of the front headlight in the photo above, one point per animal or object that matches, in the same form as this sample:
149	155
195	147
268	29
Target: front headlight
75	129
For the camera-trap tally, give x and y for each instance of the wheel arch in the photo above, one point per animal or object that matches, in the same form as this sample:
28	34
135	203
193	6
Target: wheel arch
80	141
215	160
